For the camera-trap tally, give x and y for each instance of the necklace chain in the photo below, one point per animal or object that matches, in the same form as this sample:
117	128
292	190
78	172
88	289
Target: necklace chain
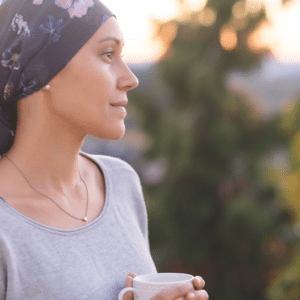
82	219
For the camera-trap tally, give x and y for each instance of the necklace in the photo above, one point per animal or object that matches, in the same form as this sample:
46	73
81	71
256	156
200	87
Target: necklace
82	219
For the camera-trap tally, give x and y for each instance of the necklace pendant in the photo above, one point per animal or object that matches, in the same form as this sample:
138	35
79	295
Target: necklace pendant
84	219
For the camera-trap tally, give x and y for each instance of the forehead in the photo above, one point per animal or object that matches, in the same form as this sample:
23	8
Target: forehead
110	29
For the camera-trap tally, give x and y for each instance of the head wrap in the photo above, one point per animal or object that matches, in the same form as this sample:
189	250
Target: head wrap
37	39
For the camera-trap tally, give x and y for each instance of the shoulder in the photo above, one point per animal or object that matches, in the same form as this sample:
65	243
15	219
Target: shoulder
112	164
121	176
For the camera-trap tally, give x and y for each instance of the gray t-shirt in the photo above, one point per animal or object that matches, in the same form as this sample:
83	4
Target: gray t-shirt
38	262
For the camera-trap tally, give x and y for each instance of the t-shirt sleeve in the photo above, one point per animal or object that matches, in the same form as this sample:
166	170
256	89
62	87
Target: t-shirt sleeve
141	209
3	279
137	201
124	177
2	283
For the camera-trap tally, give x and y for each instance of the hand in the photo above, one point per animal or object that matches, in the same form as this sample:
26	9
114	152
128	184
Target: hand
185	291
129	283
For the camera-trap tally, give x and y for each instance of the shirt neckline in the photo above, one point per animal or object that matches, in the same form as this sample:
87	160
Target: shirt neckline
80	228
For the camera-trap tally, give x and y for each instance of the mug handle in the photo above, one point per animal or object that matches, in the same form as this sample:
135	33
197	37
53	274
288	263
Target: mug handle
120	297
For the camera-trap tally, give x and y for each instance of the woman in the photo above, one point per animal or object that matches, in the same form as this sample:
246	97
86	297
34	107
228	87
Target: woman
73	225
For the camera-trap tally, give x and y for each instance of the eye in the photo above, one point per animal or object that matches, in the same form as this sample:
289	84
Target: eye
111	54
108	54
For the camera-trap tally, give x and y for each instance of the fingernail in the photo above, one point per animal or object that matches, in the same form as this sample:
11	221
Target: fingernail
191	295
200	280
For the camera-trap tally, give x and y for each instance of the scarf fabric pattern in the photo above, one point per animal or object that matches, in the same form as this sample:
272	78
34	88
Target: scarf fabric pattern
37	40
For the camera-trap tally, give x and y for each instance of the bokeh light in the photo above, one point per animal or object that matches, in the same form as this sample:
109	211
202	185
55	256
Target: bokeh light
228	38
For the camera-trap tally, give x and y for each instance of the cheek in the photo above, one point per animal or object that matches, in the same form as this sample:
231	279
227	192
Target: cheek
96	81
100	80
83	86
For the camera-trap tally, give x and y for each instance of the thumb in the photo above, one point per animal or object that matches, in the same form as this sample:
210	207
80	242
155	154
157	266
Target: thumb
129	283
129	279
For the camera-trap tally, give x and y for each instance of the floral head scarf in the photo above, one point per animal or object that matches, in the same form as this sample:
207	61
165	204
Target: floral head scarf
37	39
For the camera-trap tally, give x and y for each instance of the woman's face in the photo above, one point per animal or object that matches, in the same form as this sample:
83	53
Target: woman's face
90	92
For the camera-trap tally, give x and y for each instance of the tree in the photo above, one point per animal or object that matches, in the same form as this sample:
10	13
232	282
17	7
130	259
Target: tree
287	285
214	213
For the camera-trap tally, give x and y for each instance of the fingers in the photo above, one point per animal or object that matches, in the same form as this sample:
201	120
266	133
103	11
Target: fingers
198	283
183	290
129	283
201	295
129	279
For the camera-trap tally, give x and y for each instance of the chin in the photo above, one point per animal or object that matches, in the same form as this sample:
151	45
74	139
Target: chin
113	135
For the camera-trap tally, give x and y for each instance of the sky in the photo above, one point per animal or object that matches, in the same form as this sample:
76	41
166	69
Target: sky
281	34
134	17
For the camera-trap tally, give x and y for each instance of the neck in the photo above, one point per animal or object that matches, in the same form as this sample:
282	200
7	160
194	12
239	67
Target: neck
48	155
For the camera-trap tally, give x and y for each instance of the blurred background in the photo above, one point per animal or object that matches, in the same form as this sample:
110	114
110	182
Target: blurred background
214	132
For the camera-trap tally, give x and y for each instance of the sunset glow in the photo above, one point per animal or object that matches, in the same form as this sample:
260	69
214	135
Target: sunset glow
138	29
280	33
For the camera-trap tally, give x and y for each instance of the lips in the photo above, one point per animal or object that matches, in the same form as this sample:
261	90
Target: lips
119	104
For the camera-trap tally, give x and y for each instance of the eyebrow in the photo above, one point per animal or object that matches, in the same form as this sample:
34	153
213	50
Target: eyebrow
112	38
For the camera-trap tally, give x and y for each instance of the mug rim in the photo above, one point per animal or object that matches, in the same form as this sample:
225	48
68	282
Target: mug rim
139	279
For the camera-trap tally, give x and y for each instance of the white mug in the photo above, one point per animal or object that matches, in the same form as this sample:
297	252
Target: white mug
147	286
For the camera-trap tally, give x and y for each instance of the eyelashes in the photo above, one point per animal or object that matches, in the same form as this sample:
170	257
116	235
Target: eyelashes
110	54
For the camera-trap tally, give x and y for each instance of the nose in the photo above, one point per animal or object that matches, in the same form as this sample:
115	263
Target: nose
128	81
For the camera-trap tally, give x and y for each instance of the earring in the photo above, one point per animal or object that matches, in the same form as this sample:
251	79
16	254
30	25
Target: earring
47	86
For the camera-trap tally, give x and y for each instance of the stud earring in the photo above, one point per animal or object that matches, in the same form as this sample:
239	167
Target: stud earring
47	86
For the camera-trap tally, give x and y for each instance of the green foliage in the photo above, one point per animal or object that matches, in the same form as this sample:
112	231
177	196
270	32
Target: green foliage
214	213
290	121
286	285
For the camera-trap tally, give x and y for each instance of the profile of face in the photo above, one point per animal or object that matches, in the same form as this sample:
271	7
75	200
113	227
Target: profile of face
90	92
